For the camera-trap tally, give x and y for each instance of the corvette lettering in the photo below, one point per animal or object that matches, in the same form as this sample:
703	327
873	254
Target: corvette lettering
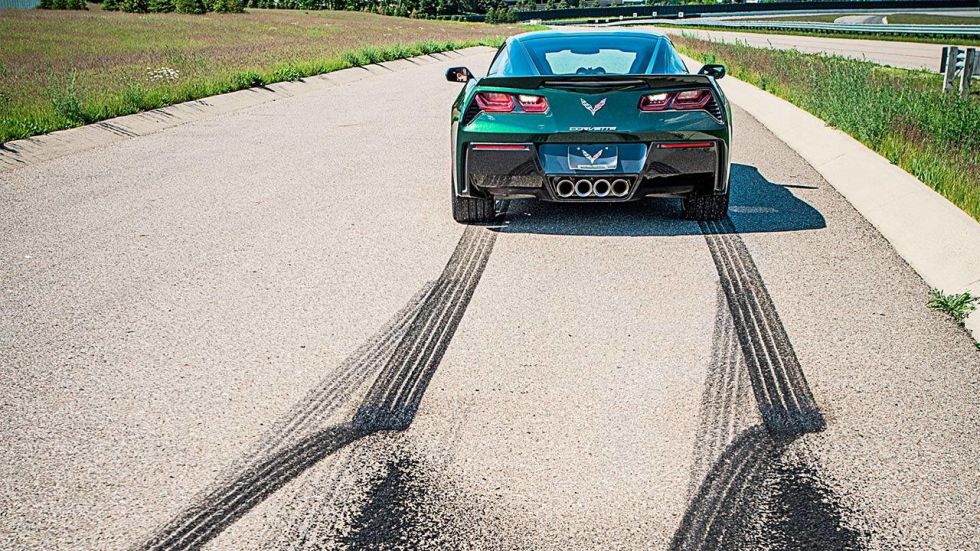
591	128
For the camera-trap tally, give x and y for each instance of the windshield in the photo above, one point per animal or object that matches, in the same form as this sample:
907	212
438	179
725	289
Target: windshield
599	54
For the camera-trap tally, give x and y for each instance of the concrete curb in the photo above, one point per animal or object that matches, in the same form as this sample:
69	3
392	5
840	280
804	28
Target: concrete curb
24	153
939	241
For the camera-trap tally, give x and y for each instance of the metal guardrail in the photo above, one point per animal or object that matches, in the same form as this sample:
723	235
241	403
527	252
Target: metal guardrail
922	30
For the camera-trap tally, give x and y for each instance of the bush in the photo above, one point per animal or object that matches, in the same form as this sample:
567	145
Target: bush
110	5
189	6
500	15
134	6
62	5
227	6
161	6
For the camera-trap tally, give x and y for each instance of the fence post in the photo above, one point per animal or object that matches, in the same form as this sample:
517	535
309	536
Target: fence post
951	53
967	75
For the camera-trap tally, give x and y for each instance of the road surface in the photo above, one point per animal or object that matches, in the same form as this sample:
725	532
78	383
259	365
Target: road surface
910	55
263	330
861	19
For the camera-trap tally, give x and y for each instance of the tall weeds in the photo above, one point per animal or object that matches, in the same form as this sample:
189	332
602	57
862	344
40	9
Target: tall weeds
70	107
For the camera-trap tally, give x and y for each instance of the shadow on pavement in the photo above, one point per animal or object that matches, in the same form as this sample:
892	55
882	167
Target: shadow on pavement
757	205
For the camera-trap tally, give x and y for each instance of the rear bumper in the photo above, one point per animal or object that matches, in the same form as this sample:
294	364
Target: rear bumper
673	168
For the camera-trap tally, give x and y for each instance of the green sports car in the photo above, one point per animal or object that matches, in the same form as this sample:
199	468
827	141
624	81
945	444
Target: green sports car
589	116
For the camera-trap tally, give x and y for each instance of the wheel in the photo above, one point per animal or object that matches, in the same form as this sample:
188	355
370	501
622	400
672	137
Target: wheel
471	210
706	207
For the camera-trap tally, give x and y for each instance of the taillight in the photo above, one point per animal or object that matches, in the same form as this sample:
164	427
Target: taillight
499	102
495	102
533	104
654	102
691	99
686	100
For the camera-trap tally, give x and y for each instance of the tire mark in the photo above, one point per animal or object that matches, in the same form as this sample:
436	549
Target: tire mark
782	393
408	351
728	496
725	397
733	470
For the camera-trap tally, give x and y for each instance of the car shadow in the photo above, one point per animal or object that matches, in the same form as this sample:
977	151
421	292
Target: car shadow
757	205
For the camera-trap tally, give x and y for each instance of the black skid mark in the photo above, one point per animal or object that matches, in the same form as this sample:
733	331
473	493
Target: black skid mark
752	496
727	498
756	497
782	393
408	351
726	399
393	516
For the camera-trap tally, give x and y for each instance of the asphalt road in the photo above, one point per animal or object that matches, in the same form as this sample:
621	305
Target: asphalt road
861	19
263	330
911	55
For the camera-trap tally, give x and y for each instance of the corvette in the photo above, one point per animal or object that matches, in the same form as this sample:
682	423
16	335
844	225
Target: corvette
589	116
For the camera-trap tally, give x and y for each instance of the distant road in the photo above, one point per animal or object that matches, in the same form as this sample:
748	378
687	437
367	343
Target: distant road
911	55
861	19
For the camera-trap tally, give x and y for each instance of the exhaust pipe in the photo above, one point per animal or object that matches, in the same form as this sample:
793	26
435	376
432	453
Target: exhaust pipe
564	188
601	188
583	188
620	188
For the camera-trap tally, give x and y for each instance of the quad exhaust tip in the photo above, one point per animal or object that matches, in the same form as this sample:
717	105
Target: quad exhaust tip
620	187
565	188
587	187
600	187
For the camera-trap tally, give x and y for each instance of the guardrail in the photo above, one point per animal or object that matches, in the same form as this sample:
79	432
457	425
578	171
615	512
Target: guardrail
922	30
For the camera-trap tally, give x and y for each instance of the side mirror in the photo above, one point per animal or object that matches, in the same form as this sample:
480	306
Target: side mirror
712	70
458	74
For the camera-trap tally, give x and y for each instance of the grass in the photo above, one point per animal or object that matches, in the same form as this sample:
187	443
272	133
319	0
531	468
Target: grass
956	306
60	69
930	19
902	114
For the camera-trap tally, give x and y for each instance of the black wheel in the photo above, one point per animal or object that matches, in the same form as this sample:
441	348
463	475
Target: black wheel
469	210
706	207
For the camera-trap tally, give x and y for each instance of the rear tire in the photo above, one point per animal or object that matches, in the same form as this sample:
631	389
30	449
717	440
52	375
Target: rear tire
706	207
473	210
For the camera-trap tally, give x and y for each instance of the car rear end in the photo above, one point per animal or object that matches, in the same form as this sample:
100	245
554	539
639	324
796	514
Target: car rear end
592	138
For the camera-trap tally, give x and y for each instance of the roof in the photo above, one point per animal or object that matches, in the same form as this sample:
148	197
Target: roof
580	32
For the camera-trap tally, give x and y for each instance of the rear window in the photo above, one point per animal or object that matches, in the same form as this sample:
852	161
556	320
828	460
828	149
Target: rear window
606	54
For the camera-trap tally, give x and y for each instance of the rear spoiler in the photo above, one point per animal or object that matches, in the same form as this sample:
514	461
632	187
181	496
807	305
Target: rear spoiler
580	82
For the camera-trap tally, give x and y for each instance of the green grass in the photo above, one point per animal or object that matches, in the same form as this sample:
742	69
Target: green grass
930	19
959	41
902	114
61	69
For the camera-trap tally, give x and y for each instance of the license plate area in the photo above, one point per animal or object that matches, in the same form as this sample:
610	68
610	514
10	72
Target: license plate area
593	157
